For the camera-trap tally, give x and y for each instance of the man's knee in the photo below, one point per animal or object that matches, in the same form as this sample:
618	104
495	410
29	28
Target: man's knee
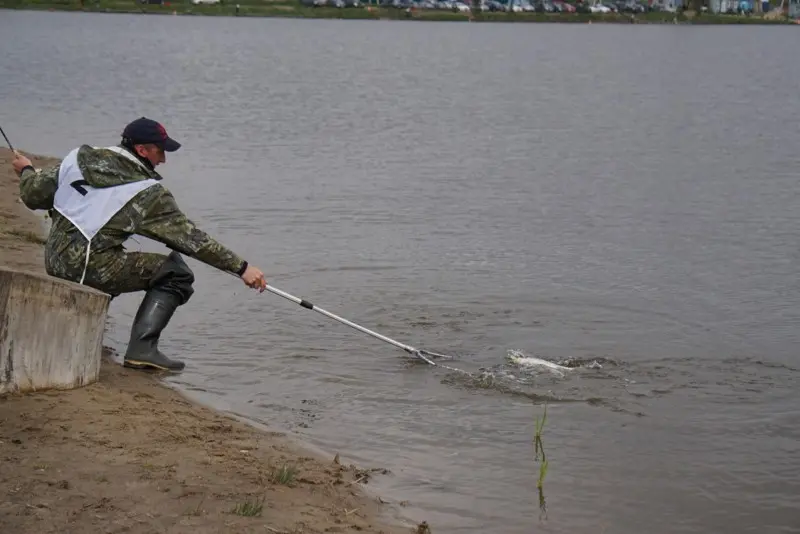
175	276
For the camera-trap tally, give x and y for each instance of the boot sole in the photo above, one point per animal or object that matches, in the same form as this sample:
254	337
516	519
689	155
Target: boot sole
136	364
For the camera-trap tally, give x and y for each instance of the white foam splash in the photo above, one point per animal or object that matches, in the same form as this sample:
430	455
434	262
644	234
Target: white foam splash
518	358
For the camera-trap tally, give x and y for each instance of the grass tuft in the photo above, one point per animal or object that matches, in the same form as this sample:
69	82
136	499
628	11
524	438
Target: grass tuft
249	509
284	475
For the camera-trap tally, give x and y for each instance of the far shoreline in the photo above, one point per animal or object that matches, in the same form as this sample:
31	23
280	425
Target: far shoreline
293	9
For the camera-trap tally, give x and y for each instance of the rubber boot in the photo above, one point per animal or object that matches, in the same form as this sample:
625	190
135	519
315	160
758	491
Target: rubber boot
153	315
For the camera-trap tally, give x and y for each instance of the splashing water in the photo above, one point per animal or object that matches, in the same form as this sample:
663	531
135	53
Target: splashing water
522	373
518	358
540	380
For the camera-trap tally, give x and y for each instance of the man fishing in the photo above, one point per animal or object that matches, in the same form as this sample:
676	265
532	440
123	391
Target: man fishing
98	198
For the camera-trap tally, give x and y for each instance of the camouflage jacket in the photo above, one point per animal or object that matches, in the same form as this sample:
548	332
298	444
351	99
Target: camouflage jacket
152	213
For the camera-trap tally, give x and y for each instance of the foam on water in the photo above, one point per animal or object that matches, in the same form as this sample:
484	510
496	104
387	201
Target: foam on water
517	357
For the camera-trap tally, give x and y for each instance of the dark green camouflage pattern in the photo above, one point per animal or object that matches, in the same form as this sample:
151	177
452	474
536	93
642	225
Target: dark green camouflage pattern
153	213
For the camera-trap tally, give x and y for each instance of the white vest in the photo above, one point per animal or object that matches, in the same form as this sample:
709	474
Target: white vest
88	208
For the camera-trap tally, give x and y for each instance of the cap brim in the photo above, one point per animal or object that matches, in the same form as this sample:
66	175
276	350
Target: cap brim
171	145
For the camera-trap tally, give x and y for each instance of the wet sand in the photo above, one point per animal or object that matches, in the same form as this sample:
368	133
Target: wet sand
129	454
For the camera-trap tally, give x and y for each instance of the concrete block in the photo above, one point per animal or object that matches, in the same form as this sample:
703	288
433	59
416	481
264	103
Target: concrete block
51	332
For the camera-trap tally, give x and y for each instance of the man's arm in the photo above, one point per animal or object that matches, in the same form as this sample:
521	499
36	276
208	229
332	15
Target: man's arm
37	189
162	220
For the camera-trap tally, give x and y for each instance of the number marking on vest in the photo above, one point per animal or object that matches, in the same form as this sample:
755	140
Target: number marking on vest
77	185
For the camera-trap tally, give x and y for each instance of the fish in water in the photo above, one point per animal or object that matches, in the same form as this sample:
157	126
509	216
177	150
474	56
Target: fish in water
518	358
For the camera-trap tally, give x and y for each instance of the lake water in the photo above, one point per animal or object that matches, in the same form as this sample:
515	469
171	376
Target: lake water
625	195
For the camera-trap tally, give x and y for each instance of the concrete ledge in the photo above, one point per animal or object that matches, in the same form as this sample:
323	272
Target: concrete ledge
51	332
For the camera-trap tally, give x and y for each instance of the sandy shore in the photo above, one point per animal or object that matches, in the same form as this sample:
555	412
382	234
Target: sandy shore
129	454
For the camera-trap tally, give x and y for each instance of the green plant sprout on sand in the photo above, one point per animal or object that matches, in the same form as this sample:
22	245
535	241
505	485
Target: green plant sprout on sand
284	475
249	508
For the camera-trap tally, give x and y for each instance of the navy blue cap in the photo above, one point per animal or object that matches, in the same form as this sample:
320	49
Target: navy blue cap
143	131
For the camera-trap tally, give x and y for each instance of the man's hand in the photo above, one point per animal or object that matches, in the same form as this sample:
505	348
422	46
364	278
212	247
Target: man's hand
20	162
253	277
